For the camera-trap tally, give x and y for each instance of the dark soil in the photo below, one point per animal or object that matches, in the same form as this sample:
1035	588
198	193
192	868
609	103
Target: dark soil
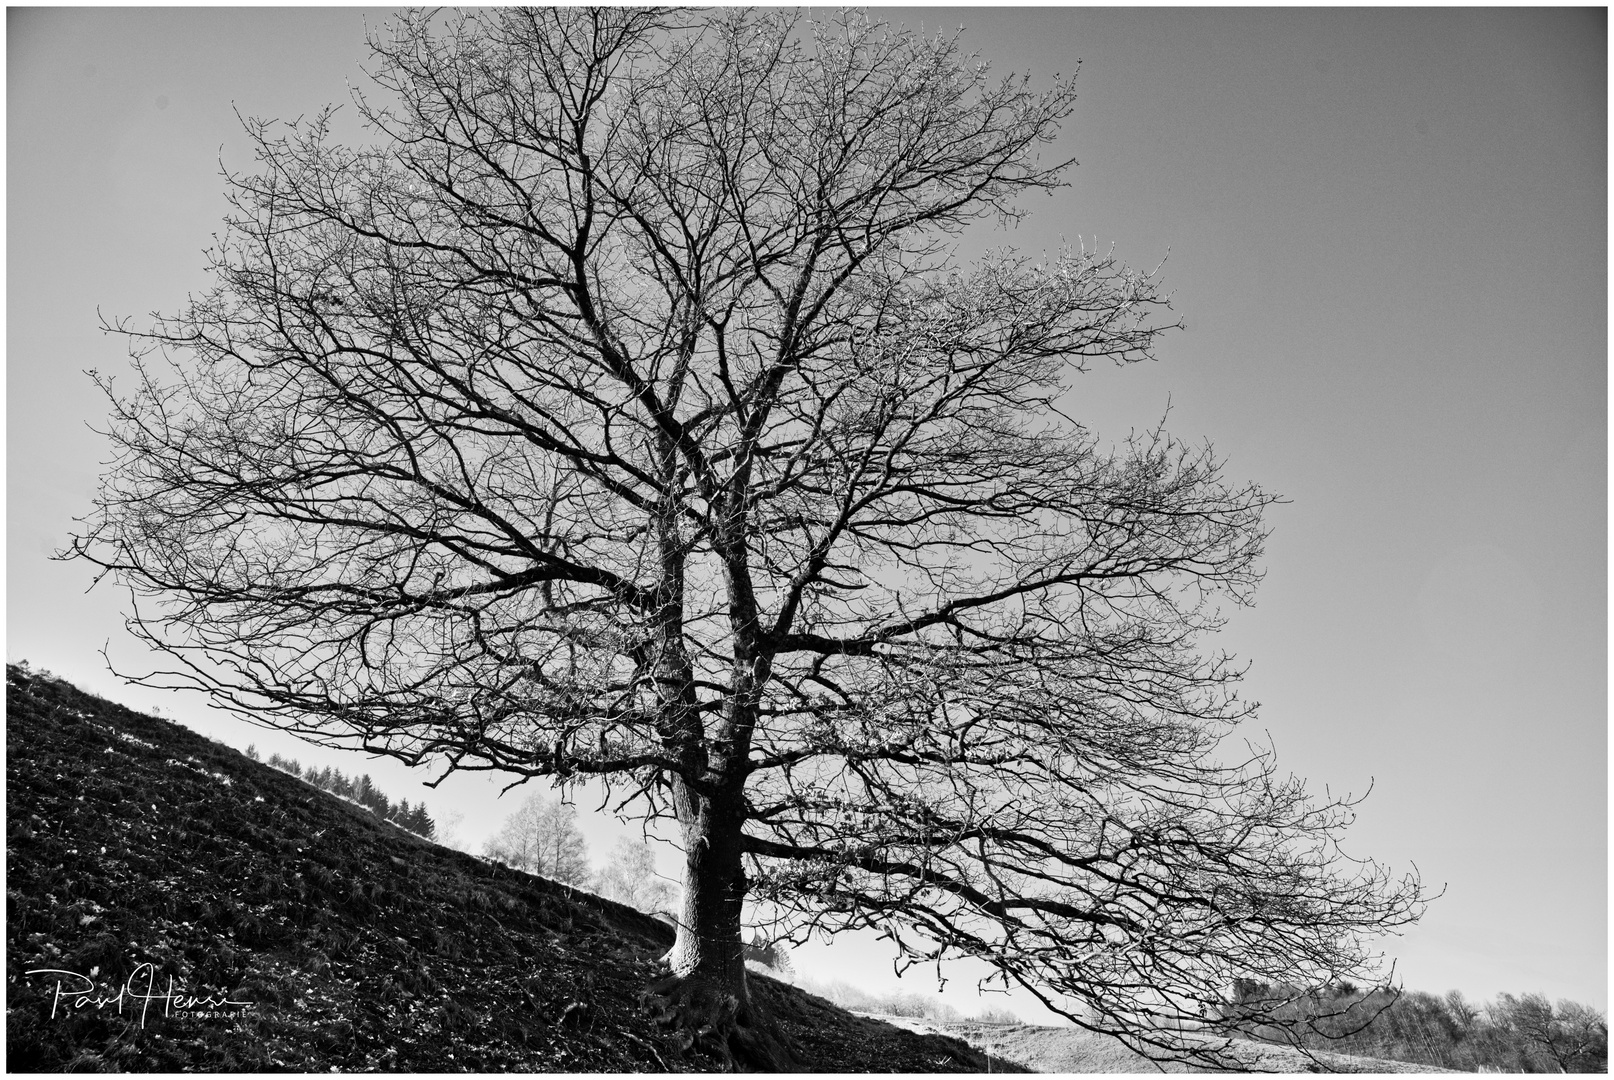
298	932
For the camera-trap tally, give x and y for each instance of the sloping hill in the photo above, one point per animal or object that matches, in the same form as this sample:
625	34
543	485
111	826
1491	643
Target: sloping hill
177	906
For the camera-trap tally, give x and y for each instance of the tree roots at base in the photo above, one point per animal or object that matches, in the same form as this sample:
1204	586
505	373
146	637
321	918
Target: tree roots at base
710	1020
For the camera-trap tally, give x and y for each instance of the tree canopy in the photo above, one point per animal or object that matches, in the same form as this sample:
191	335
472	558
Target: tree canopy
621	411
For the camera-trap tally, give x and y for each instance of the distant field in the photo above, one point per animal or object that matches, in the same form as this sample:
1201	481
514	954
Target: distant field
1072	1050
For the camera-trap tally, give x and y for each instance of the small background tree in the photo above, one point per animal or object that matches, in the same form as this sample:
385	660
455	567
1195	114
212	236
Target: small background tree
630	877
541	837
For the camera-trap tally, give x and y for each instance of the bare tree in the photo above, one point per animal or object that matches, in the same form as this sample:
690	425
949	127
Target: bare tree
542	838
620	411
1571	1038
1464	1013
1579	1038
630	877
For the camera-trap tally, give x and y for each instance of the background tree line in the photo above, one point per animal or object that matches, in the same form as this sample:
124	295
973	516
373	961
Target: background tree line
1527	1033
361	790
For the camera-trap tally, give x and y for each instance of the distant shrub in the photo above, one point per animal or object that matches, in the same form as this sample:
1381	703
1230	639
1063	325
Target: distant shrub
998	1016
913	1004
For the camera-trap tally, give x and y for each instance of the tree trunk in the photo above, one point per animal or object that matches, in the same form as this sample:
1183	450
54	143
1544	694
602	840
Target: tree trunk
705	998
709	944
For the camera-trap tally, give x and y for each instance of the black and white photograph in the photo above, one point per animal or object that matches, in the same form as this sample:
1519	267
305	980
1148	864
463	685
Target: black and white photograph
801	539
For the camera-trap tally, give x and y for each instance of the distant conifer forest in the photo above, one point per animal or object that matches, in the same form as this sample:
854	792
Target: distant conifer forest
361	790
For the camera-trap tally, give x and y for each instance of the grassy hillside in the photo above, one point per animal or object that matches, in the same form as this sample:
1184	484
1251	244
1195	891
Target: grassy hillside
252	922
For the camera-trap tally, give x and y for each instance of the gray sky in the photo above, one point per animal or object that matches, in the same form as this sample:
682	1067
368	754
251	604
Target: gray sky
1387	233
